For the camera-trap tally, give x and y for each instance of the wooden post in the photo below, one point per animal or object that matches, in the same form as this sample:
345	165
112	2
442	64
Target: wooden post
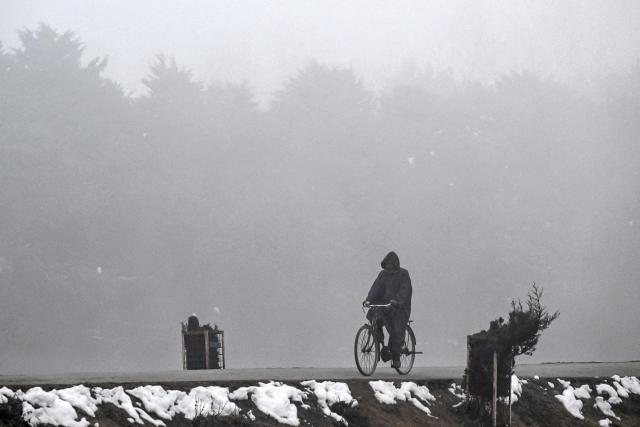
511	372
494	398
510	376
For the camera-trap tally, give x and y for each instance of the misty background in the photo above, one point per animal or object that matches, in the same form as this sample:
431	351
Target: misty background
252	162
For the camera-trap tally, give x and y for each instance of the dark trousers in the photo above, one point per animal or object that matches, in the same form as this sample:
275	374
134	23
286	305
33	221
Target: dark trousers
395	322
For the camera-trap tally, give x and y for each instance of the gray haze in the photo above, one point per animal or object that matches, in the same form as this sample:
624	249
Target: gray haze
490	144
264	42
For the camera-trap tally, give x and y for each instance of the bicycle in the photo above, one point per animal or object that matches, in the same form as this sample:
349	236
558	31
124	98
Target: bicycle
366	348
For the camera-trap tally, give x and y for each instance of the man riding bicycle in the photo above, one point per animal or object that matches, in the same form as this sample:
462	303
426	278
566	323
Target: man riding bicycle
392	286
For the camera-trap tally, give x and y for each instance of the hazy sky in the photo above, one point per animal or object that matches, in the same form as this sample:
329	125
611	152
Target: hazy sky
263	42
578	237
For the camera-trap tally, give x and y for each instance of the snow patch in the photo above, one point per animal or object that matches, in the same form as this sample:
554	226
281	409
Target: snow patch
80	397
215	401
604	423
605	407
613	395
551	385
146	417
457	391
564	383
516	388
582	392
46	407
622	392
201	401
274	399
571	404
117	397
156	400
5	395
387	393
630	384
329	393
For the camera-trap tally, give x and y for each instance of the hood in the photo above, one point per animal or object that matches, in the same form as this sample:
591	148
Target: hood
391	258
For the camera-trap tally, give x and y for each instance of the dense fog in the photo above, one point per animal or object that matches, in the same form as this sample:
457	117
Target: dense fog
268	210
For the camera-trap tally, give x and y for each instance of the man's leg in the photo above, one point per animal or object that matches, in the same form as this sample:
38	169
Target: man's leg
397	323
385	354
389	324
378	326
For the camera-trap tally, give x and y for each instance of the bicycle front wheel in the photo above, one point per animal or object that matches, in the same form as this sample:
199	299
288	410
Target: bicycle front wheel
366	350
408	353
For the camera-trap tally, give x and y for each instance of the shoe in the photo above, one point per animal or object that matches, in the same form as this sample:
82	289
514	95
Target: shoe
385	354
396	363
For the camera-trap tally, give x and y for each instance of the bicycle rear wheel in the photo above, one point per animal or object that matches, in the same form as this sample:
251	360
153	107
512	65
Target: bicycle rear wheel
366	350
408	355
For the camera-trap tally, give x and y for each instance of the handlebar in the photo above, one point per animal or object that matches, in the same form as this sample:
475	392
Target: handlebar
377	305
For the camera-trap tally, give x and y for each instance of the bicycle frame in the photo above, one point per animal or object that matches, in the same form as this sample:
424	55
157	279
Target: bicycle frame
368	343
376	318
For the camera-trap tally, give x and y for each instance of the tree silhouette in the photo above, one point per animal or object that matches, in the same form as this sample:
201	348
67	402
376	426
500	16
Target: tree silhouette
324	116
60	121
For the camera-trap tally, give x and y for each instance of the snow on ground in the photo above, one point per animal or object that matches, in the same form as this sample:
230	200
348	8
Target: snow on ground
613	399
551	385
582	392
571	396
80	397
146	417
117	397
387	393
207	401
624	387
274	399
277	400
73	405
571	404
622	392
516	388
46	407
329	393
156	400
201	401
605	407
457	391
630	384
604	423
5	394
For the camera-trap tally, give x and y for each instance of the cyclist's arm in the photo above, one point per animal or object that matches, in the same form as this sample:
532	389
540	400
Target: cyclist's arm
376	290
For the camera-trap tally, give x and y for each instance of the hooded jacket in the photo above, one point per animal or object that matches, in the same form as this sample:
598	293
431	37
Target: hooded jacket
392	283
